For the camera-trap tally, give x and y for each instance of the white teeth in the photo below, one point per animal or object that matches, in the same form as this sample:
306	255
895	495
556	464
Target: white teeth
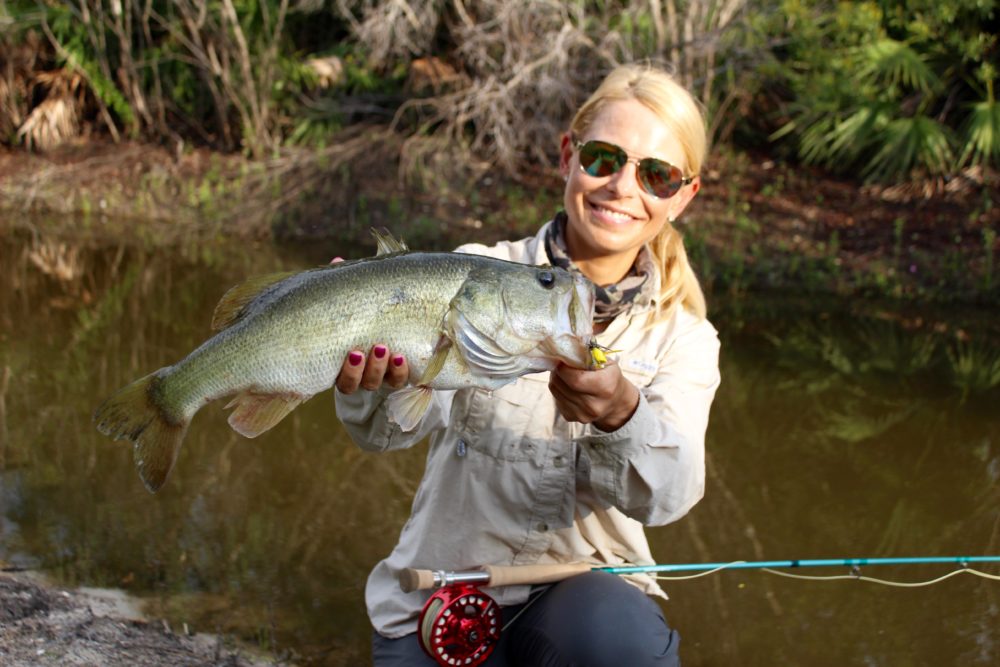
624	217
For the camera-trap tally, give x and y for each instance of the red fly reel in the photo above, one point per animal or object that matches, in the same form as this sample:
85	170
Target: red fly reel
459	625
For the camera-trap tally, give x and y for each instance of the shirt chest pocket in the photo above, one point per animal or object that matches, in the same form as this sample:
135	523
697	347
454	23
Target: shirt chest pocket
511	423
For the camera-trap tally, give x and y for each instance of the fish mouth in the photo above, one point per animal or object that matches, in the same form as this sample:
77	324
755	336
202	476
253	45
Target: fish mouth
574	330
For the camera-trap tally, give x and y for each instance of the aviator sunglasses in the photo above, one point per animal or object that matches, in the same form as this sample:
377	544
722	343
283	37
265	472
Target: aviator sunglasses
658	178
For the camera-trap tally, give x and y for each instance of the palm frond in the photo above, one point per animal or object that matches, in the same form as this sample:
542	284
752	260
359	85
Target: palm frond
851	137
889	61
975	367
856	423
909	144
981	131
814	146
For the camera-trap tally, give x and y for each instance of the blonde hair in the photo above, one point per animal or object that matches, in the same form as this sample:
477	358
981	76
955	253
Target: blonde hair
681	113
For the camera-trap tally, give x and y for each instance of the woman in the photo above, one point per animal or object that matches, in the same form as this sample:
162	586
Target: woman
569	466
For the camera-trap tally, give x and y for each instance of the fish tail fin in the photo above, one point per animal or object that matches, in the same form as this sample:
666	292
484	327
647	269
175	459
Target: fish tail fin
408	405
134	413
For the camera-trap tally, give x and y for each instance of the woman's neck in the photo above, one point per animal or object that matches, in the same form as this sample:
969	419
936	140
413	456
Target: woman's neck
604	270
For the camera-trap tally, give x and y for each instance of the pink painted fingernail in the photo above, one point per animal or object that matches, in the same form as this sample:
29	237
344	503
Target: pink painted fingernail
398	360
336	259
355	358
379	351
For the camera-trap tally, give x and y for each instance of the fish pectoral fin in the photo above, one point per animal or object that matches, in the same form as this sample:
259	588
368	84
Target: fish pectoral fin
441	352
408	406
257	413
237	298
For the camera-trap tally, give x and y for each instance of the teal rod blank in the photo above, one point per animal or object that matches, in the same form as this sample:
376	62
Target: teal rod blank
818	562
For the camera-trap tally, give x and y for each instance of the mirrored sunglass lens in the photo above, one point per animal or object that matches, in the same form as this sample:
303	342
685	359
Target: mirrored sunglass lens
600	159
659	178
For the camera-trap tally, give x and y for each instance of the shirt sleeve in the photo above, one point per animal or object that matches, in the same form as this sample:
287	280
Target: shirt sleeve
653	467
366	419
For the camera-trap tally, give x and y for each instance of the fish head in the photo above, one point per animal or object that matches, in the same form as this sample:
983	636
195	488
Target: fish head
523	319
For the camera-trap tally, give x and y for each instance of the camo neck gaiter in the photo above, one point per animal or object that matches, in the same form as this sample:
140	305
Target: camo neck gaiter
614	299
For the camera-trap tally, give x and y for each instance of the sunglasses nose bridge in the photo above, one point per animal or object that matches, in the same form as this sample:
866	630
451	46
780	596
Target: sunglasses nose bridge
624	178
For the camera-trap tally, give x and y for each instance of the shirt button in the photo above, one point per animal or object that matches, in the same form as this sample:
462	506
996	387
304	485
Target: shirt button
460	448
542	527
559	461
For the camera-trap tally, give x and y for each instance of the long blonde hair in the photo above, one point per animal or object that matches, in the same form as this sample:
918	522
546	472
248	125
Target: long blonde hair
679	111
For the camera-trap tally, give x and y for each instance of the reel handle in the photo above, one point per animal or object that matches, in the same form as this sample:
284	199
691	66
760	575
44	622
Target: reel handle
412	579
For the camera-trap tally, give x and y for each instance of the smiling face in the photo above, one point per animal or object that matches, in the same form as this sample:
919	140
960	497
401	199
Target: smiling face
611	217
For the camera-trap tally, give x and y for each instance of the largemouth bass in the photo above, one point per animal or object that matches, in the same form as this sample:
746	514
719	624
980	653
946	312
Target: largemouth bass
460	320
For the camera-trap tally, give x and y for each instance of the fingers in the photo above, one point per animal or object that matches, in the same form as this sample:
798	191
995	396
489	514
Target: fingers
372	371
349	378
601	397
378	360
398	371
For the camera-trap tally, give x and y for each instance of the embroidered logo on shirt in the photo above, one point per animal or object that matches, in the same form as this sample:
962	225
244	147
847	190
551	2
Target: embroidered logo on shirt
643	366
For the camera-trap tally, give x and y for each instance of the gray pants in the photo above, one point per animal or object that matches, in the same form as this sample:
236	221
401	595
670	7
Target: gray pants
591	620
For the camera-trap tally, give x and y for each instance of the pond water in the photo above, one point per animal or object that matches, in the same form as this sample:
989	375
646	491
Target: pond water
840	430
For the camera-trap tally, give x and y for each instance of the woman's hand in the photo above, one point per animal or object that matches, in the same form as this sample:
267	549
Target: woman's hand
602	397
380	367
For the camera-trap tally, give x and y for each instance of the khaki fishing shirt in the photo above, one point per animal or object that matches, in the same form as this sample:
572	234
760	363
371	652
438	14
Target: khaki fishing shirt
510	482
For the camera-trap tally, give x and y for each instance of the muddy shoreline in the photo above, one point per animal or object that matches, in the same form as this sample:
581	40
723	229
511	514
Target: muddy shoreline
45	624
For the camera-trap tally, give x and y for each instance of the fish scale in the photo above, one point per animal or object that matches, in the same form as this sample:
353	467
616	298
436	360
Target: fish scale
460	320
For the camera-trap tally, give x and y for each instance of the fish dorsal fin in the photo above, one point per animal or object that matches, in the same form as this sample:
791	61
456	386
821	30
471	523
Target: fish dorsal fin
257	413
236	299
387	243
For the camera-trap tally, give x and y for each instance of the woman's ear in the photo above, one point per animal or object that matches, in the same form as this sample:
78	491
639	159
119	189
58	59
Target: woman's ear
565	154
680	200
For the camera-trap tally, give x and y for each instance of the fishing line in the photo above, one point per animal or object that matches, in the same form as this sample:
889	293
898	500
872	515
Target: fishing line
460	624
884	582
855	576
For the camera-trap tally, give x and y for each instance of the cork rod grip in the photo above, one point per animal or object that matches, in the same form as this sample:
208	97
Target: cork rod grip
509	575
411	579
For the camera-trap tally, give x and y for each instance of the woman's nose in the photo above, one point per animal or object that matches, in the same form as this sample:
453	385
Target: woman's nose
625	181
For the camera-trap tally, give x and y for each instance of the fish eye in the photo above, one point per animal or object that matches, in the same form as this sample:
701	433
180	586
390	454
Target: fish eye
547	279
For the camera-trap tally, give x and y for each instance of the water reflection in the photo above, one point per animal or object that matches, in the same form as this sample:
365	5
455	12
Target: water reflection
834	435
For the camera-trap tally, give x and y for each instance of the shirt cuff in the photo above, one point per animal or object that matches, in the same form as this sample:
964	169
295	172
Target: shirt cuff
614	448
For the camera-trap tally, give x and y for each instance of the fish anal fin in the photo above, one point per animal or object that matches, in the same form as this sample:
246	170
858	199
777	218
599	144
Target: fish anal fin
257	413
236	299
408	405
387	243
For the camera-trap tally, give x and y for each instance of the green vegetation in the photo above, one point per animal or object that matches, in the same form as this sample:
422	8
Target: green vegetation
881	89
308	119
888	89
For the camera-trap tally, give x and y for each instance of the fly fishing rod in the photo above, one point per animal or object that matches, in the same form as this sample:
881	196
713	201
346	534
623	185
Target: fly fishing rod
460	624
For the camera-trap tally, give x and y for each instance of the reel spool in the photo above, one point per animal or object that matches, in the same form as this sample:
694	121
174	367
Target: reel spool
459	625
